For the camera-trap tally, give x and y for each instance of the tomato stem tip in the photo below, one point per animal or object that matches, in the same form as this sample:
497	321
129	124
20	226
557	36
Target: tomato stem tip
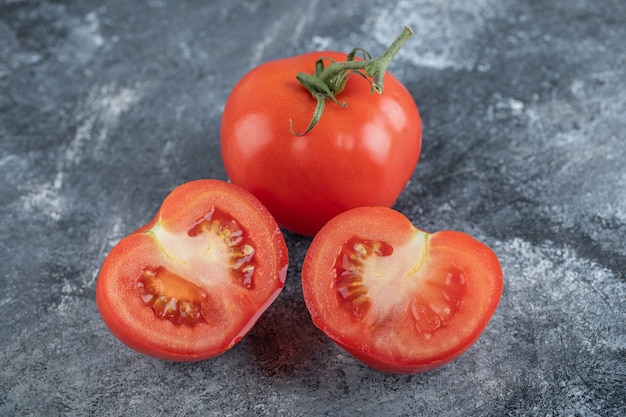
327	82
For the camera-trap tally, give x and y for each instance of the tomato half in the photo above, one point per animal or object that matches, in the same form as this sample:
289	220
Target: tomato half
397	298
191	283
360	155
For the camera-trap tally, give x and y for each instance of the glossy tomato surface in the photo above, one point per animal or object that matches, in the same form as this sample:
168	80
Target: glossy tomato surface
360	155
397	298
191	283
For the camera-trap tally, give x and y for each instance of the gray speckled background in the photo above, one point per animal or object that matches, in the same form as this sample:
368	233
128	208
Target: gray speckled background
106	106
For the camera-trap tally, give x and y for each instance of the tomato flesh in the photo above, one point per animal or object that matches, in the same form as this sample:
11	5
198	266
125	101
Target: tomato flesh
438	301
190	284
397	298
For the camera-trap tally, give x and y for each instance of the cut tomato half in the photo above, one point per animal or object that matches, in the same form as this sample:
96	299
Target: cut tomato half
190	284
395	297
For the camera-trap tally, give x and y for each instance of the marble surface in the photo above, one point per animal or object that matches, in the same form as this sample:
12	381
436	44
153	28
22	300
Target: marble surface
106	106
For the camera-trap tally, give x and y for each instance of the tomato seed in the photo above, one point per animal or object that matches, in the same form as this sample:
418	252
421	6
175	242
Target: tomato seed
235	237
172	297
348	273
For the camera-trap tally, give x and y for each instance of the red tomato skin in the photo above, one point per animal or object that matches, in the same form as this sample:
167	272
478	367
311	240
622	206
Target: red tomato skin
445	248
361	155
136	325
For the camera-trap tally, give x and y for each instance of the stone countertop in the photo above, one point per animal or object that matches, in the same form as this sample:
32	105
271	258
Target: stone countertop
107	106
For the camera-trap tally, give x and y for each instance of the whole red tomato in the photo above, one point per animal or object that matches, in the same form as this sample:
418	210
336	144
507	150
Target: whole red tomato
361	153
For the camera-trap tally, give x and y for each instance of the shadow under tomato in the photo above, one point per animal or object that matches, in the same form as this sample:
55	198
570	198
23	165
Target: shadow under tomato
284	341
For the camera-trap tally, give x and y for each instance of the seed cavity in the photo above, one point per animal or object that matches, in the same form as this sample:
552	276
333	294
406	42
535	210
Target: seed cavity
442	299
348	273
240	246
172	297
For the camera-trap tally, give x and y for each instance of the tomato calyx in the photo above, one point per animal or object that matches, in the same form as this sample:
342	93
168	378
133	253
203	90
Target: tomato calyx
327	82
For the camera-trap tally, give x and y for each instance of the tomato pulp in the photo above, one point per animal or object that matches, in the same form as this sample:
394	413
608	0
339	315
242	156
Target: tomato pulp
397	298
360	155
190	284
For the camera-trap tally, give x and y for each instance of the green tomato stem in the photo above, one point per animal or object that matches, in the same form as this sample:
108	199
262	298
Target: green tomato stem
327	82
